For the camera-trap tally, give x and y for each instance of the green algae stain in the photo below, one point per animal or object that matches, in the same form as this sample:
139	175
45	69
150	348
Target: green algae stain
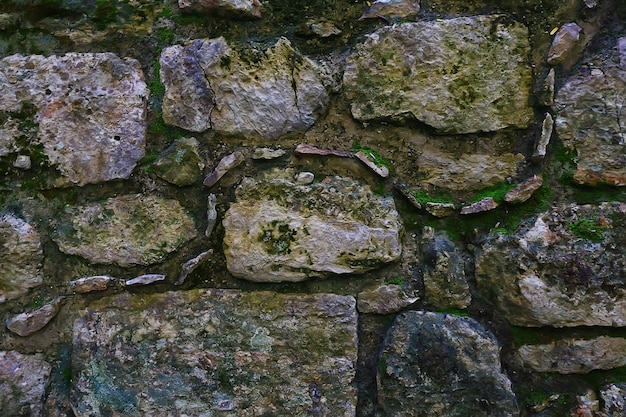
277	238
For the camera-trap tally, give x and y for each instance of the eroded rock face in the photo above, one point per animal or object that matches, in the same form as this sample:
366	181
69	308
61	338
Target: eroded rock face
461	75
251	92
441	365
23	382
591	119
206	352
280	230
88	110
127	230
575	356
242	8
21	255
566	268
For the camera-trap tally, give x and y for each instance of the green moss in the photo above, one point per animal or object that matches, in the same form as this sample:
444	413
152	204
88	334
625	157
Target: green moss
104	14
423	198
372	155
156	87
497	192
588	229
277	238
454	312
165	35
524	336
396	281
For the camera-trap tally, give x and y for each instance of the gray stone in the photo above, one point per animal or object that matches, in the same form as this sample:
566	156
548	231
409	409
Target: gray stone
236	8
126	230
391	9
436	364
308	149
145	279
524	190
565	42
211	214
27	323
575	356
384	299
445	283
22	162
564	269
591	119
440	209
98	96
23	383
279	230
546	134
209	352
461	75
614	399
22	257
223	166
305	178
485	204
181	163
90	284
191	265
267	153
249	92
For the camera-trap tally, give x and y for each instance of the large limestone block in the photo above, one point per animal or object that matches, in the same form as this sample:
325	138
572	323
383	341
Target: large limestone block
250	92
127	230
279	230
216	352
461	75
23	383
591	119
89	109
21	257
564	269
235	8
436	365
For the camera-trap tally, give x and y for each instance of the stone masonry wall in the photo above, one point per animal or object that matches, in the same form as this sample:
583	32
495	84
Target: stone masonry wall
312	208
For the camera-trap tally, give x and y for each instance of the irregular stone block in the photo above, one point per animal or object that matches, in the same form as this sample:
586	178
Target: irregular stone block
181	163
90	109
126	230
463	75
279	230
524	190
591	119
246	92
391	9
89	284
385	299
23	383
564	43
145	279
572	356
223	166
22	257
546	134
237	8
208	352
564	269
25	324
614	399
485	204
440	365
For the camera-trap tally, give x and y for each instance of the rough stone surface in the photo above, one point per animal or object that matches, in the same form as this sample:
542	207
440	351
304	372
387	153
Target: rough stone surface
546	134
614	399
485	204
572	356
461	75
591	119
23	383
524	190
190	266
391	9
209	352
247	92
546	92
145	279
243	8
440	209
223	166
181	163
90	109
90	284
25	324
445	283
278	230
442	365
565	41
385	299
564	268
21	256
126	230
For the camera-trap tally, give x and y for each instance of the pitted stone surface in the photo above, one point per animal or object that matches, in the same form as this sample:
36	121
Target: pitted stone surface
461	75
216	352
23	383
89	109
251	92
21	257
127	230
280	230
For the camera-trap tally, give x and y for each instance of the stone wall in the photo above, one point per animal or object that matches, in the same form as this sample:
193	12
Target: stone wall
320	208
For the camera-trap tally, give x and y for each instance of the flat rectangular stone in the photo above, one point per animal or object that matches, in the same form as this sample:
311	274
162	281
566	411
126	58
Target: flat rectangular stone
204	351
